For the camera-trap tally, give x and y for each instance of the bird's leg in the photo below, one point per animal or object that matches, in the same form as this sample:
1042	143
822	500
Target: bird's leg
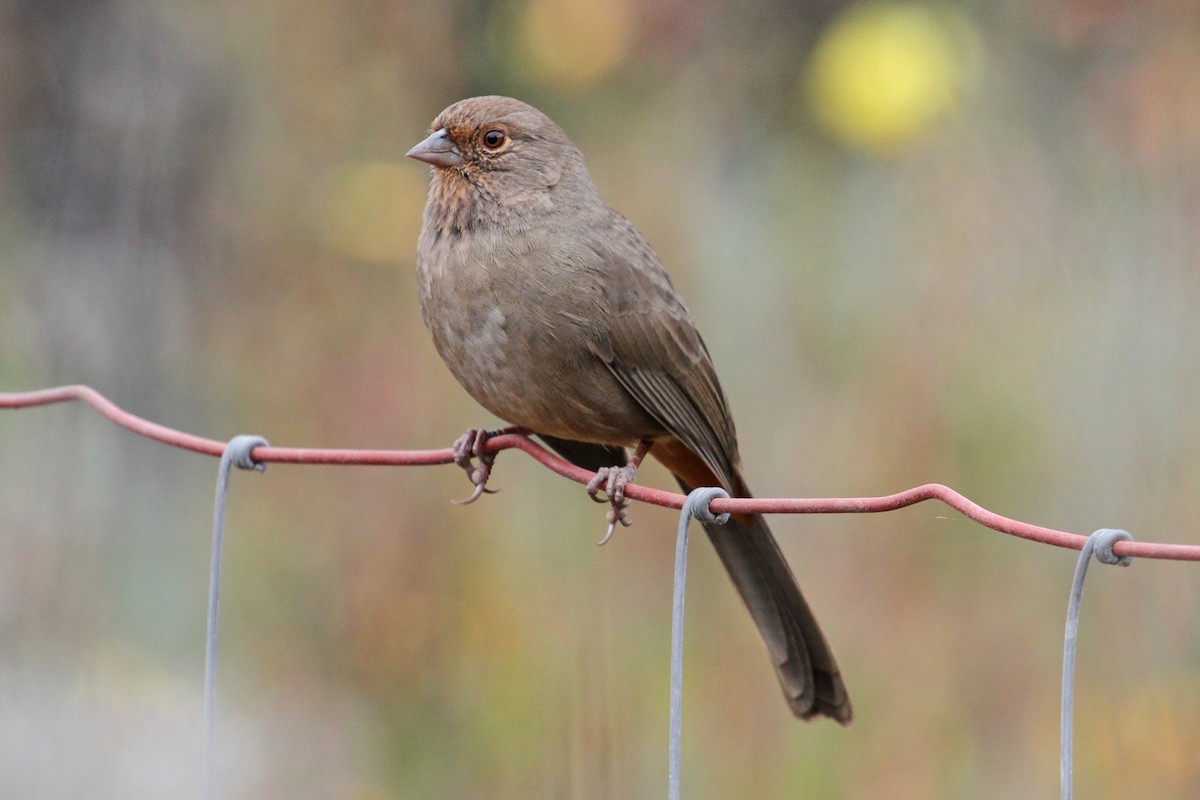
472	446
612	481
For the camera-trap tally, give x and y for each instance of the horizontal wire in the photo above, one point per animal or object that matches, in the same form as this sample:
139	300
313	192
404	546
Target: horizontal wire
757	505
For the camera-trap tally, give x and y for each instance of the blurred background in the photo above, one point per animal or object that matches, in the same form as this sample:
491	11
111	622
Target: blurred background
952	241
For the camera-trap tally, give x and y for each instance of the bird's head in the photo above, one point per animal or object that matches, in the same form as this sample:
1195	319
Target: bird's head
497	149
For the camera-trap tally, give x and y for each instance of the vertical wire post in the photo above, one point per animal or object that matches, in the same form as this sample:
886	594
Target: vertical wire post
1101	544
236	452
696	506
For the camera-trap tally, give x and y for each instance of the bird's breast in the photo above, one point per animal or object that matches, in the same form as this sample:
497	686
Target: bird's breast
514	324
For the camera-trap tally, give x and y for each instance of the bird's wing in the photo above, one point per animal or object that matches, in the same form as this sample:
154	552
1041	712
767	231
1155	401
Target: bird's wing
656	353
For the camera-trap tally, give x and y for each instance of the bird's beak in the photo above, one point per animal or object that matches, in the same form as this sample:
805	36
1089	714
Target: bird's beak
439	149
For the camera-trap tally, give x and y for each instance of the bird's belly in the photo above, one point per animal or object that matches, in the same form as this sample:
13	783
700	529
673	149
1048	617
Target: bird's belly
538	376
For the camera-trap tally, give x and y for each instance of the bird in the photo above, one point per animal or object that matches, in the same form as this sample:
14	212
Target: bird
556	315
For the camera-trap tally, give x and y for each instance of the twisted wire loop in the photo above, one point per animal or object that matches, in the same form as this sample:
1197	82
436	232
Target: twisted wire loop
1100	544
696	505
239	452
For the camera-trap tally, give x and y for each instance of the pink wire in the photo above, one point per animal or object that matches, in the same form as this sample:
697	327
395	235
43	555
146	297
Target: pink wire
758	505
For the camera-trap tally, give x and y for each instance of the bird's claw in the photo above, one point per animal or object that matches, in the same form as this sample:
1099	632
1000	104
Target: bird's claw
480	489
612	481
615	515
471	447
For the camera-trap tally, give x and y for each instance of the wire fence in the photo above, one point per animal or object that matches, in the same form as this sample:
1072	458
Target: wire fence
757	505
251	452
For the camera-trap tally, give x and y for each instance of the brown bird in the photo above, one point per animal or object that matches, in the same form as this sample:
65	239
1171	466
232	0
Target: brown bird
553	311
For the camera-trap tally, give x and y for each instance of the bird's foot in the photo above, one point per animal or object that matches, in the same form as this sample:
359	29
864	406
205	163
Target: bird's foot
472	447
612	481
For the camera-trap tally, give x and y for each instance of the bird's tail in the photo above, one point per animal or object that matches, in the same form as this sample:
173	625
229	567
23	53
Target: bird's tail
804	664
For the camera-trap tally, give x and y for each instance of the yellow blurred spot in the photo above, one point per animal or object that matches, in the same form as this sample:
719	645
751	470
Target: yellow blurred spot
573	42
884	71
373	210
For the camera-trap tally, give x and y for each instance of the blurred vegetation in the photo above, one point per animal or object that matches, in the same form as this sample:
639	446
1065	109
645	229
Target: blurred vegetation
925	241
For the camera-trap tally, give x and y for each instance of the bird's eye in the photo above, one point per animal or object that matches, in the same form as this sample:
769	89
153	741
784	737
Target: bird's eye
494	139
